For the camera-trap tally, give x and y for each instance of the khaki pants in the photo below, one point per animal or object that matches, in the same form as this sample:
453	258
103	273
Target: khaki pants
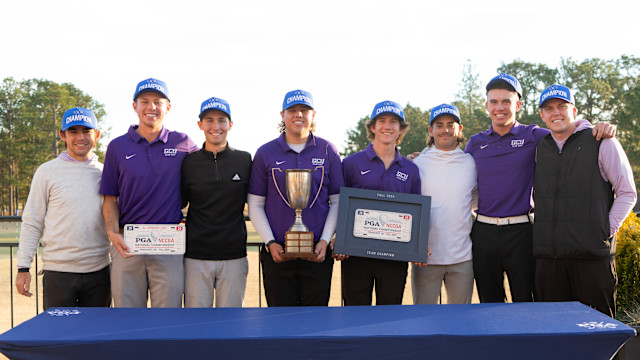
426	283
222	280
159	276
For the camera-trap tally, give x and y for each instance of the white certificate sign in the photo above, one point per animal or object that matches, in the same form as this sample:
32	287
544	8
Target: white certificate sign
155	239
382	225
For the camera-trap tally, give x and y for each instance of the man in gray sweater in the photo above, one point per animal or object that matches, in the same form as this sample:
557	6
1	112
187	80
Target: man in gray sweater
64	209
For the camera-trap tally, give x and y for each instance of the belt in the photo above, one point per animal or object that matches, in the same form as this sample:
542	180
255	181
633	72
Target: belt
504	220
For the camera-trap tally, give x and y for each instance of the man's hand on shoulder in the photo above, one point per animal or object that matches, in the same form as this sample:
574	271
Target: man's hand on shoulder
604	130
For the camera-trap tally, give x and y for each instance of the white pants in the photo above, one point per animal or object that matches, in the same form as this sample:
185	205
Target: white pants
426	283
159	276
228	278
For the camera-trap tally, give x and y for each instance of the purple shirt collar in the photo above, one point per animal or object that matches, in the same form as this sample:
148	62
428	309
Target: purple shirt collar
164	134
371	154
282	140
515	129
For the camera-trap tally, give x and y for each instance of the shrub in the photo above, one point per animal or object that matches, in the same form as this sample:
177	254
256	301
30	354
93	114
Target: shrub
628	268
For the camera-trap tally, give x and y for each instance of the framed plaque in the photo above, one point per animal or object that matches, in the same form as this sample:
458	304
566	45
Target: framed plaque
383	225
155	239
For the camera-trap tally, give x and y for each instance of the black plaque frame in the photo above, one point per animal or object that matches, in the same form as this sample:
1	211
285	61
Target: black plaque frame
419	206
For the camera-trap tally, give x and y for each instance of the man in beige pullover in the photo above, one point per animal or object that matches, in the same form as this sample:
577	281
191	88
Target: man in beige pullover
64	209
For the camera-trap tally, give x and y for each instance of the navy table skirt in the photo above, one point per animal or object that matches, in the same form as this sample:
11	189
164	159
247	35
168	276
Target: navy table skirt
477	331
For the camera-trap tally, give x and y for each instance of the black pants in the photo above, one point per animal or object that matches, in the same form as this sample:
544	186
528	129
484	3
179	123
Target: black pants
359	275
499	249
65	289
296	282
592	282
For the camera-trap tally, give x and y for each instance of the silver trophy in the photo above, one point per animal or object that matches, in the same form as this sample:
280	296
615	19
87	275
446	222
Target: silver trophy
298	240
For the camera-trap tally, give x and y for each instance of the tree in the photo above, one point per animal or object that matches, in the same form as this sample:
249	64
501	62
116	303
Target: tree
628	122
30	118
356	138
597	84
470	101
415	138
12	95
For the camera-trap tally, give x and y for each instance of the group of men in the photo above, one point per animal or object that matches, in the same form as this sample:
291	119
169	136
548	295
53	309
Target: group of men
582	186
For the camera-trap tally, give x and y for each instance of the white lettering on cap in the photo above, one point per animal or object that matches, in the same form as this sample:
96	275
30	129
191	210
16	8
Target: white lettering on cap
215	105
444	110
388	108
78	117
151	86
298	97
555	92
508	80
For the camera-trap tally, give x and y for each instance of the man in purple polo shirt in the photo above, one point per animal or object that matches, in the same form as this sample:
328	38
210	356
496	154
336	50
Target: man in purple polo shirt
141	185
505	162
379	167
295	282
584	189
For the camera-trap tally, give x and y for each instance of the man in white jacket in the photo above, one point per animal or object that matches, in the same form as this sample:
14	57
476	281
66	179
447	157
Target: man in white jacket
448	175
64	209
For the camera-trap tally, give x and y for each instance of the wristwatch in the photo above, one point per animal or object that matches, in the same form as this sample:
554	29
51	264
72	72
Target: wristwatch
269	244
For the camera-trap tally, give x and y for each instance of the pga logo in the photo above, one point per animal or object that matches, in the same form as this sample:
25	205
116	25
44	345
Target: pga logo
317	161
170	152
402	176
517	143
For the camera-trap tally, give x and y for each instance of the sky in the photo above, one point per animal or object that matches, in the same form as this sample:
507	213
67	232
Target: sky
348	54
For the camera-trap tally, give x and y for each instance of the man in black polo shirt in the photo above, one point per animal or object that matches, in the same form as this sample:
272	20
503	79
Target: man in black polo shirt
214	184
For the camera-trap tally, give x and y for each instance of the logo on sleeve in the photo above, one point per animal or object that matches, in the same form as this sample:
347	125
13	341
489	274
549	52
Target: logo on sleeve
317	161
517	143
170	152
402	176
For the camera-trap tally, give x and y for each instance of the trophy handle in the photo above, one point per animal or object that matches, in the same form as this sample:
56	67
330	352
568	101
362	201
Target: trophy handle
319	187
273	175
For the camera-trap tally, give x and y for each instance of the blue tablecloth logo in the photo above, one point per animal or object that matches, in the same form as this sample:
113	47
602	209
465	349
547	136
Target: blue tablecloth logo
597	325
64	312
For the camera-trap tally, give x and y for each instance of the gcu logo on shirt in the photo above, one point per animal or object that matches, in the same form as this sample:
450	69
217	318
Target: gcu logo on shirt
517	143
170	152
401	176
317	161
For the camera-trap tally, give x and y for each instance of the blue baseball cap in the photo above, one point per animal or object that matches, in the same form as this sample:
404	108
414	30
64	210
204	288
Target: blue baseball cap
79	116
557	92
151	84
444	109
387	107
215	103
511	80
297	97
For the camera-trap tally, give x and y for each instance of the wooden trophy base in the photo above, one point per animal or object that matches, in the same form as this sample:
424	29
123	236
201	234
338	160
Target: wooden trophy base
298	244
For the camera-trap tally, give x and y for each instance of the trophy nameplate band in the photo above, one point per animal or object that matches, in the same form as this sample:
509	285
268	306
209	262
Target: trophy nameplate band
298	244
